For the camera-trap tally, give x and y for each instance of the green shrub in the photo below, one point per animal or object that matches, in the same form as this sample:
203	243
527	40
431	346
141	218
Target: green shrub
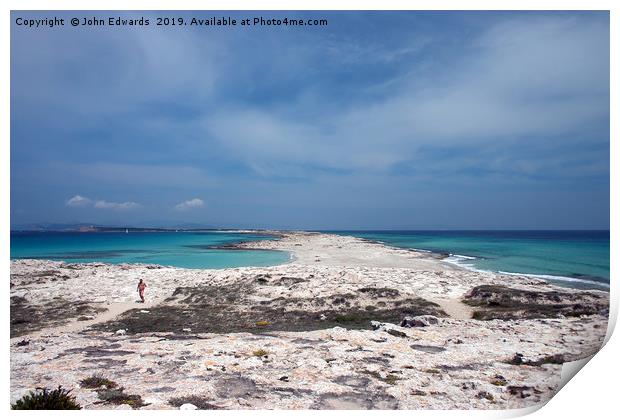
499	380
97	381
260	353
44	399
117	396
391	379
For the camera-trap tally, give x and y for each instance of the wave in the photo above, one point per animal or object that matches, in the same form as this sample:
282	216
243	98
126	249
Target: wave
464	257
466	262
559	278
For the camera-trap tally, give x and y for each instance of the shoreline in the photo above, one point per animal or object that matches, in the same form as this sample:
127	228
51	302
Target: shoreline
348	324
445	256
457	261
558	280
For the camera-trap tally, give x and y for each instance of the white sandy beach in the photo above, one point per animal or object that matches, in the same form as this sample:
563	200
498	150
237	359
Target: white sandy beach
299	335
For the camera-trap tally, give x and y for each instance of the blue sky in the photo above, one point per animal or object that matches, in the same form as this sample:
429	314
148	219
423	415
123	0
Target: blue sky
383	120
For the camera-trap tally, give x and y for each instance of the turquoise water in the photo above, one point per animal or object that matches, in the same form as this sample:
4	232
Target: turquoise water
568	258
573	258
178	249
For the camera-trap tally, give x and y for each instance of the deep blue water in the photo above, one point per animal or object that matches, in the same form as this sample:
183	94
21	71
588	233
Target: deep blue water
179	249
575	258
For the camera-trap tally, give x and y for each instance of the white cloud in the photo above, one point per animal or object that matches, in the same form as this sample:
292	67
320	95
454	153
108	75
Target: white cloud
78	201
189	204
127	205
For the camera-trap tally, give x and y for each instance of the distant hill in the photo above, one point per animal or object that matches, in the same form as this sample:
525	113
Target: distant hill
53	227
92	227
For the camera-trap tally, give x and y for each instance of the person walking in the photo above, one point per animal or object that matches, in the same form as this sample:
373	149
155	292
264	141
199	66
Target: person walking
141	287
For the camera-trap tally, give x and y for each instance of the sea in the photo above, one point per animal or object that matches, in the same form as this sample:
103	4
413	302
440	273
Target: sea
577	259
179	249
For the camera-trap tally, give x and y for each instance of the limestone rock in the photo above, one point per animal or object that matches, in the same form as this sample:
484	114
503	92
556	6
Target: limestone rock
419	321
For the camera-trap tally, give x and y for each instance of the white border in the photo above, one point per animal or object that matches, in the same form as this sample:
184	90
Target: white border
591	394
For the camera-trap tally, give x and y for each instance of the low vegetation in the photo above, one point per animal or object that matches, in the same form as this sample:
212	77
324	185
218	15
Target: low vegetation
499	380
388	379
260	353
45	399
117	396
225	309
97	381
500	302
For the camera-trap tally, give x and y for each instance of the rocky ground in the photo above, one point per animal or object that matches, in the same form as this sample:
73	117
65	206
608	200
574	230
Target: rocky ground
347	324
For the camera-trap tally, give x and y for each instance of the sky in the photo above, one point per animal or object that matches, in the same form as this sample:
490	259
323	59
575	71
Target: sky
379	120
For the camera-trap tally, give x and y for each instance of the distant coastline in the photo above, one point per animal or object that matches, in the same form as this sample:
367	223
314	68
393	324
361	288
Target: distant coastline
97	228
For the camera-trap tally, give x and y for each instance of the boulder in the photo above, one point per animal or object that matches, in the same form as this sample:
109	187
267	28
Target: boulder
188	406
419	321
